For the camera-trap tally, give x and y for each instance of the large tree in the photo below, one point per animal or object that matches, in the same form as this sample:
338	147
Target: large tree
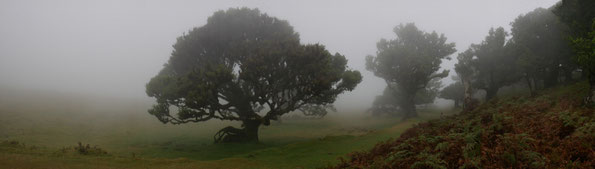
244	65
409	62
539	39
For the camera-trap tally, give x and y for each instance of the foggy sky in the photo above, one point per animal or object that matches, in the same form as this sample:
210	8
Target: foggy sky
114	47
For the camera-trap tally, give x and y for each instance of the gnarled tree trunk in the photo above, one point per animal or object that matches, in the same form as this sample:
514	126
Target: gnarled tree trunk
531	85
248	132
467	100
251	129
408	106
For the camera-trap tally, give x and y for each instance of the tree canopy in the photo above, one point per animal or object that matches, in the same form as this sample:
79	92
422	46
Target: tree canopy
410	61
246	66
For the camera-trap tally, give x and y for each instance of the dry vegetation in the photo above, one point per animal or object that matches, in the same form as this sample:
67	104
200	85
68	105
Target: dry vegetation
551	130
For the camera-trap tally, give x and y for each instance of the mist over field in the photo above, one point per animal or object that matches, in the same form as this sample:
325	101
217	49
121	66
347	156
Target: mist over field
113	48
297	84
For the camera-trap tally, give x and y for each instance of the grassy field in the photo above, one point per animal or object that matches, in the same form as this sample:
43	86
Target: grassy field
41	130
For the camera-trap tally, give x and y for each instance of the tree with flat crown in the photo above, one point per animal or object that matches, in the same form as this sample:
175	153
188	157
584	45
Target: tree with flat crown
244	65
454	92
409	62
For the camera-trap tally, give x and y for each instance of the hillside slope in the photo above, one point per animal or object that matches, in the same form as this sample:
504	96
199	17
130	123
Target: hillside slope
551	130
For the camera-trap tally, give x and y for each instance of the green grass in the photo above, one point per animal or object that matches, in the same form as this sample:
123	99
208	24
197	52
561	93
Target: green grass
49	125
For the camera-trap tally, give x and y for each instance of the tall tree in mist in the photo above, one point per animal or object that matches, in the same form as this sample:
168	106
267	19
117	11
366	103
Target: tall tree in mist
580	17
244	65
539	39
585	57
409	62
466	73
493	63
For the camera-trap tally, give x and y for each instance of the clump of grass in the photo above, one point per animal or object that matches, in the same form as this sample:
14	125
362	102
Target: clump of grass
12	145
83	149
11	142
88	150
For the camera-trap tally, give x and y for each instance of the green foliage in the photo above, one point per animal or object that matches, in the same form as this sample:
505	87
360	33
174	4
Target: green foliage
581	124
580	17
577	14
443	146
464	68
472	138
410	61
540	41
587	129
585	50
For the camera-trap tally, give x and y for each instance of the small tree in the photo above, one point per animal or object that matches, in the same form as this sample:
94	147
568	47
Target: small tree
385	104
409	62
454	92
246	66
390	100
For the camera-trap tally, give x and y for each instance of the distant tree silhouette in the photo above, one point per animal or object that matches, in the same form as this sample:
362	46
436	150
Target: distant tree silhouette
409	62
454	92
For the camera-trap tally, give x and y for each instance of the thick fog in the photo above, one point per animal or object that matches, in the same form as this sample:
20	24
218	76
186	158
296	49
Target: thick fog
112	48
